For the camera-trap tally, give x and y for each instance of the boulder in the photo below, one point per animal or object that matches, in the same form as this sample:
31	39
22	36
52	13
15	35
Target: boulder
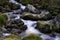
16	26
56	24
31	8
56	27
44	26
32	16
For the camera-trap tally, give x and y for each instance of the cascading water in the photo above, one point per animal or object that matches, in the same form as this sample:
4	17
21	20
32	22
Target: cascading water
31	25
21	6
31	29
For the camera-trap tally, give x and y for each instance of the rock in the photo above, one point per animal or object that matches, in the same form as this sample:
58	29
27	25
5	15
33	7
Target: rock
16	26
12	37
7	6
43	26
31	8
56	26
31	16
32	37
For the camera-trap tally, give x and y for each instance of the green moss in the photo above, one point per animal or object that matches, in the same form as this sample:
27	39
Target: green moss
32	37
42	23
2	21
5	16
43	26
12	37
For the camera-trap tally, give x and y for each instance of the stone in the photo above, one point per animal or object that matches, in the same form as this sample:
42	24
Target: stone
31	8
16	26
32	16
43	26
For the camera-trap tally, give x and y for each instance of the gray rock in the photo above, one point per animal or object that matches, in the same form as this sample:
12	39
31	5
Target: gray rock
31	8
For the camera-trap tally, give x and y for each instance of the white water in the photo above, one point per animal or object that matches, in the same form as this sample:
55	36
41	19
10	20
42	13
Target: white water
31	26
6	34
21	6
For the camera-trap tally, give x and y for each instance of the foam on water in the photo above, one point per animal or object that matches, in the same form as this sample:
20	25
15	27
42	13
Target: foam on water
31	26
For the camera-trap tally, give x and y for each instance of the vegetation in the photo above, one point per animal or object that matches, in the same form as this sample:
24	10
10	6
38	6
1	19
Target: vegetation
3	19
12	37
32	37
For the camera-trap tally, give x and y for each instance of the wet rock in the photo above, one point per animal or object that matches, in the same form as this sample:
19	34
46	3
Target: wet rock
16	26
31	8
32	37
12	37
56	24
43	26
32	16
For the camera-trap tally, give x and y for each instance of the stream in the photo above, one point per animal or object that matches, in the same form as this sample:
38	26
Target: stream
31	24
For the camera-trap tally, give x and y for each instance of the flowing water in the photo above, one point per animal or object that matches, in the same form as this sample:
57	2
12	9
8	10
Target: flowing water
31	25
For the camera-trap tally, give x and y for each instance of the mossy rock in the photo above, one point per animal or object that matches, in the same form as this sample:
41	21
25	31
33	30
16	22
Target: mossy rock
46	16
56	27
43	26
32	16
12	37
29	17
5	16
32	37
56	24
16	26
3	19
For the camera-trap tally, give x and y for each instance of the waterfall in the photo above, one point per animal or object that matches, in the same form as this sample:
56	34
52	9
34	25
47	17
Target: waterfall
22	7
